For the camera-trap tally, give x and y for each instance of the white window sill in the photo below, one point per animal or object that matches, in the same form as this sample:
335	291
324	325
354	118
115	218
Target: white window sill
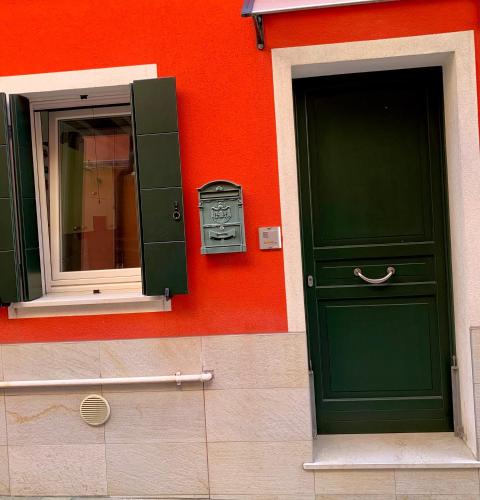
432	450
83	304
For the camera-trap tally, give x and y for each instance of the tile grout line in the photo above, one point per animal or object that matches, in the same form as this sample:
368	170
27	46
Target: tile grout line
478	479
206	443
99	351
6	425
474	387
202	361
475	405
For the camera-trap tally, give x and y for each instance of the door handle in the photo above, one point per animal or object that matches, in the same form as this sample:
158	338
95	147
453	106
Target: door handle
375	281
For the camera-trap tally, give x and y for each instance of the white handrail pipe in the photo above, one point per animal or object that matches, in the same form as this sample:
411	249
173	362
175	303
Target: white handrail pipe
177	378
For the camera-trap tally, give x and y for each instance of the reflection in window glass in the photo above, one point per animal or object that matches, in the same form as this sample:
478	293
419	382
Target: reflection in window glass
98	219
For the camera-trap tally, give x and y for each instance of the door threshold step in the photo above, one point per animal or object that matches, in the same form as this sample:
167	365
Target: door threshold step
429	450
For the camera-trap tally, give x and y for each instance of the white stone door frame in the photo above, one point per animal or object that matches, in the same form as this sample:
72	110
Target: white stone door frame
455	52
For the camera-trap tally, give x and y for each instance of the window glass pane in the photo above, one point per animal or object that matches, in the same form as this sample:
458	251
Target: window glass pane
98	219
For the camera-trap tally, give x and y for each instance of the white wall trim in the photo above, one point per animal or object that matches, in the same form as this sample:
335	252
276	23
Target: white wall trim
88	304
69	80
455	52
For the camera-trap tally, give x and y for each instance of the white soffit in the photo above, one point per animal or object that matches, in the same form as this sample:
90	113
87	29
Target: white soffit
260	7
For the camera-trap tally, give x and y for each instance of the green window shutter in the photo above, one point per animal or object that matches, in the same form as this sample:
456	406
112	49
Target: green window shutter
9	287
159	181
26	207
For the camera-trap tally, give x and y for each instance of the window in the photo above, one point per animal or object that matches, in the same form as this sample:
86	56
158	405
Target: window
87	186
99	171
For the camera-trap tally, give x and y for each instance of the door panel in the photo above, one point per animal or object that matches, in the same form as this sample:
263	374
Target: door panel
369	194
352	365
373	196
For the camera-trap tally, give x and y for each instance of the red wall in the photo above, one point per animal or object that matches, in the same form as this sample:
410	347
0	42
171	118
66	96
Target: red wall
227	126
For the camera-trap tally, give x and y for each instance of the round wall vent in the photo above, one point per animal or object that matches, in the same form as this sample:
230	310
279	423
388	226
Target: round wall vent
95	410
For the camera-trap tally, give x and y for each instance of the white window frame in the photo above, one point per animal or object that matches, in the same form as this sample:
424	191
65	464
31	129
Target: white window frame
56	280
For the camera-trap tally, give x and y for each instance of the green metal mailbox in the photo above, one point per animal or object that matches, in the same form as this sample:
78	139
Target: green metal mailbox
221	217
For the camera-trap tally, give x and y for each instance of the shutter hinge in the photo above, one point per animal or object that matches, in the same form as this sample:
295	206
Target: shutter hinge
167	294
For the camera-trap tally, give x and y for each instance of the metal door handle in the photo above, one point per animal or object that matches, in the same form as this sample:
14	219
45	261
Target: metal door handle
378	281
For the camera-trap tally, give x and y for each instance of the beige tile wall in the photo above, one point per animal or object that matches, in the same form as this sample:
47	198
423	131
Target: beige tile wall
402	484
244	436
475	342
258	415
72	469
248	433
369	482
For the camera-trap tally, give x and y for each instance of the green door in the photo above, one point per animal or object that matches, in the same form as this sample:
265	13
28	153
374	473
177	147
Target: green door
373	206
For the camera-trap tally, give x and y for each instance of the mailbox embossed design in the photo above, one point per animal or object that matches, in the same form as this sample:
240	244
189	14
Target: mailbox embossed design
221	217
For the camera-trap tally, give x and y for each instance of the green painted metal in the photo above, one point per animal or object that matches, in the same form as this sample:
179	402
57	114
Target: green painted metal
221	217
163	146
373	195
26	209
9	287
155	125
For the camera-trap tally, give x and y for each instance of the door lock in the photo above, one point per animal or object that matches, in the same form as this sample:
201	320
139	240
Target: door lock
176	212
310	281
